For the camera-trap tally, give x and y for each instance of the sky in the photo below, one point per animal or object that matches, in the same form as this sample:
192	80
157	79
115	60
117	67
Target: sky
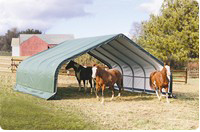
82	18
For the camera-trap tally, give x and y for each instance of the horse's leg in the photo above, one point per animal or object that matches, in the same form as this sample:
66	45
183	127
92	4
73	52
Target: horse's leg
113	92
97	90
84	86
119	84
160	92
90	81
156	89
166	90
94	81
157	94
103	88
79	83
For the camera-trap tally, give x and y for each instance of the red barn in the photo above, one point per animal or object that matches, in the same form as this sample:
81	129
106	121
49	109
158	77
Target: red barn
30	44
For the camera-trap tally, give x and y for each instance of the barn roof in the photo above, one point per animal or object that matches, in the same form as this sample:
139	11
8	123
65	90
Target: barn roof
48	38
38	74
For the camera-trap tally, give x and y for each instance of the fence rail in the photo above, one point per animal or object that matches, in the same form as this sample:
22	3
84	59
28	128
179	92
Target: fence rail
15	63
182	75
194	73
178	75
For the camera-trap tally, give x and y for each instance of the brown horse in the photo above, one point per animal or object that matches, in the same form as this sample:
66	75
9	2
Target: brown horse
106	78
159	80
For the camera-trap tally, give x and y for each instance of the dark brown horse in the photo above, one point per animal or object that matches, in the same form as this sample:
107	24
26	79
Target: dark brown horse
159	80
106	78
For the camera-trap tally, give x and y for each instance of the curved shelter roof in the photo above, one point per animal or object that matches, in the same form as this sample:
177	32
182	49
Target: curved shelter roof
38	74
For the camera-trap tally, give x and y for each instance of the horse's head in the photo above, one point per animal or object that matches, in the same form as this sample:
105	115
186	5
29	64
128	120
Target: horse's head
97	71
167	70
70	65
94	70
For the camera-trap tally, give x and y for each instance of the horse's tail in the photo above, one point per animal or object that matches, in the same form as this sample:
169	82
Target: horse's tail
150	79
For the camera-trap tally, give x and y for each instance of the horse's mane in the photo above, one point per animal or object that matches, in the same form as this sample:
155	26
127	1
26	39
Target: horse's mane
79	66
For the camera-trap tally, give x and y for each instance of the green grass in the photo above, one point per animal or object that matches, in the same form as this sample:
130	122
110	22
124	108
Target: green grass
24	112
5	53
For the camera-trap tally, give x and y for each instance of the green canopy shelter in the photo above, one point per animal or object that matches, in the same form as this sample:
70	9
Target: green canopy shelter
37	75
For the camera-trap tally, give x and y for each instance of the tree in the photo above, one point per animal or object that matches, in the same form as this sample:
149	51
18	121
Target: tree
174	34
136	31
5	40
31	31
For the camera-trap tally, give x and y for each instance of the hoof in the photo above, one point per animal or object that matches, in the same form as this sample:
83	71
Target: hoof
98	98
102	101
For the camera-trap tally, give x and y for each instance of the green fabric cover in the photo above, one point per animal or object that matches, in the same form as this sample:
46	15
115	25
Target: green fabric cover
37	75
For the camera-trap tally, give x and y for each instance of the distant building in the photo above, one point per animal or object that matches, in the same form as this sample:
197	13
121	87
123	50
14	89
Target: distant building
15	47
30	44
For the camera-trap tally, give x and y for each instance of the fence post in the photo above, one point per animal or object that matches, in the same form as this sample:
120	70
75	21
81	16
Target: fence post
12	65
186	76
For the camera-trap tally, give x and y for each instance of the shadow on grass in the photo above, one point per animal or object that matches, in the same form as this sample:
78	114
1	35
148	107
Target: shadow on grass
71	92
186	96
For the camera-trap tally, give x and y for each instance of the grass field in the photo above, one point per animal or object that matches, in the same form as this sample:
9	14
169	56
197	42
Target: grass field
21	111
29	113
72	110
